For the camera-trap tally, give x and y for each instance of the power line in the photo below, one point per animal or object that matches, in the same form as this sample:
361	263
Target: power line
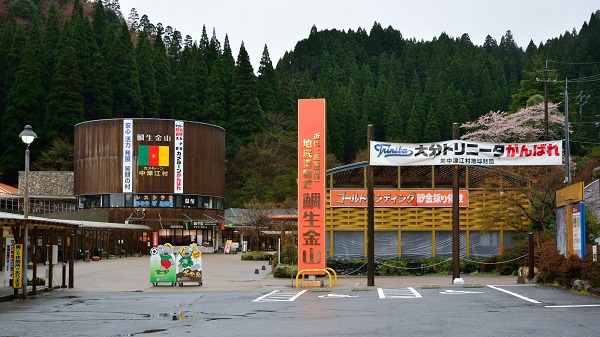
573	63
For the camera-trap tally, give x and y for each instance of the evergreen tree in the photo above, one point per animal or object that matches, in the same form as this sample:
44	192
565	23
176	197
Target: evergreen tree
185	94
124	76
12	38
99	24
215	102
204	42
431	132
51	35
394	126
370	106
413	127
350	120
25	101
100	90
200	74
148	90
267	83
287	99
213	53
246	116
65	99
335	125
163	77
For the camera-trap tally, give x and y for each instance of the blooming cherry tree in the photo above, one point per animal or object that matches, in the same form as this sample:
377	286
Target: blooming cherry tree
525	125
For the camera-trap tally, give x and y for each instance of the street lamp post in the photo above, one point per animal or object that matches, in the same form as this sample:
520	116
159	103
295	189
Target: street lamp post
27	135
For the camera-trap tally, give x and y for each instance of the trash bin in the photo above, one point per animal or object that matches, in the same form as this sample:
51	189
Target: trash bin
87	256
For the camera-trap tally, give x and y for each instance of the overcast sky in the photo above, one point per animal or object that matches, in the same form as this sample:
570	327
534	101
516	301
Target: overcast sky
280	24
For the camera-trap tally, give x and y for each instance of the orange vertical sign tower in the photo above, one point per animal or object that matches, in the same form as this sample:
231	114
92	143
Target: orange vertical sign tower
311	184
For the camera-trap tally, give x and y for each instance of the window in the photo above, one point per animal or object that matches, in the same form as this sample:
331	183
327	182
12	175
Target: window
116	200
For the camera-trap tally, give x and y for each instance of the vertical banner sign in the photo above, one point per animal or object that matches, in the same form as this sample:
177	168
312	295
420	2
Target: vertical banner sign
178	157
17	266
311	184
127	154
578	221
8	258
154	239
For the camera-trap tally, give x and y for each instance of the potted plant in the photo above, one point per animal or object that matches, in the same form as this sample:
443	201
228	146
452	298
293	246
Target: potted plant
95	258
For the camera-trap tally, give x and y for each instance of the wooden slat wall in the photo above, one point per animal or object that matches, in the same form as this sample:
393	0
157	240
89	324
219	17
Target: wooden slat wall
98	157
418	218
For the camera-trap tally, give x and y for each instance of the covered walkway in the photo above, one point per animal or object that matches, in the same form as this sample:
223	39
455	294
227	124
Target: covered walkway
54	240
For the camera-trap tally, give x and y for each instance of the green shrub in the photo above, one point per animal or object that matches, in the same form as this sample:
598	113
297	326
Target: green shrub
39	282
285	271
509	261
393	268
289	254
348	267
256	256
489	265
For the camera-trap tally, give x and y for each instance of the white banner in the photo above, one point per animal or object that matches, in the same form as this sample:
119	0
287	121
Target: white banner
460	152
178	160
127	155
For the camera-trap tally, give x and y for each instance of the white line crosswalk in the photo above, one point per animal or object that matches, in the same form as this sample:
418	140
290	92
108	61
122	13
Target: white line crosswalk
280	296
408	292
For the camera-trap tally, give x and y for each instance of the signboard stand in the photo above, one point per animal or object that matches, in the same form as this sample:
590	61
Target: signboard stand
189	265
162	265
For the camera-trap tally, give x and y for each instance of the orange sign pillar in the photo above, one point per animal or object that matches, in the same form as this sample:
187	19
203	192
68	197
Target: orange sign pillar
311	184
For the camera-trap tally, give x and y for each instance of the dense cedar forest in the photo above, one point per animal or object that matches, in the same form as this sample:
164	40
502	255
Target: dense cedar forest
67	61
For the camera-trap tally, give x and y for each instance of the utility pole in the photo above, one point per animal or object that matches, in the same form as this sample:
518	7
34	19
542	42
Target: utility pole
567	150
370	215
545	81
582	101
456	279
598	126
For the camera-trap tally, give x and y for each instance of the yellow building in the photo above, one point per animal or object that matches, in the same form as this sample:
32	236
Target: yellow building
413	215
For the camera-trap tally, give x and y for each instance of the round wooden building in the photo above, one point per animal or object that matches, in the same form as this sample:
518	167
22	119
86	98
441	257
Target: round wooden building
166	174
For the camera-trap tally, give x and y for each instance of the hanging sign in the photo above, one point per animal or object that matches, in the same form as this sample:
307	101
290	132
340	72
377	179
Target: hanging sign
460	152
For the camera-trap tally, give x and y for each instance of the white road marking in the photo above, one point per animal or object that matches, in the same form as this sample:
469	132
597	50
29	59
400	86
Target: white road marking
408	292
516	295
573	306
459	292
336	296
278	296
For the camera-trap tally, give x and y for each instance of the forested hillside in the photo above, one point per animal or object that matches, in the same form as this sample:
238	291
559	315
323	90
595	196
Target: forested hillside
67	61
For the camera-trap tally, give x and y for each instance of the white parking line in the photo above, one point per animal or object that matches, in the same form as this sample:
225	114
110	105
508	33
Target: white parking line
573	306
516	295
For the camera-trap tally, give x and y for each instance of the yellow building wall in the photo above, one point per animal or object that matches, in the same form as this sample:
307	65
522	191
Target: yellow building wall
476	217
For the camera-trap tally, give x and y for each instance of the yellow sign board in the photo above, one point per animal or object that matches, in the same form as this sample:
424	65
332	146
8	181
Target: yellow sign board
18	266
6	232
570	194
